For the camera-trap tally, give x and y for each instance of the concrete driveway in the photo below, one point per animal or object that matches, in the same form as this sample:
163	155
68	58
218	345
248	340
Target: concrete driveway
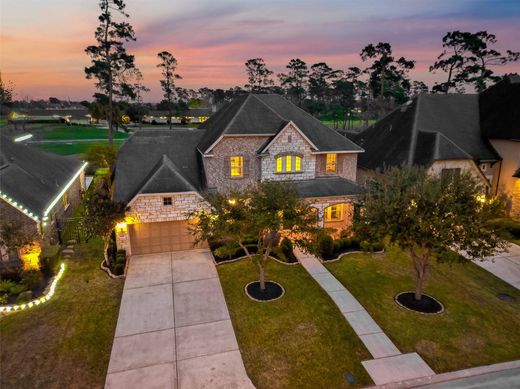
174	329
505	265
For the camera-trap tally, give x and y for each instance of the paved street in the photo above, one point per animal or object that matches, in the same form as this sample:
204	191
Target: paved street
174	329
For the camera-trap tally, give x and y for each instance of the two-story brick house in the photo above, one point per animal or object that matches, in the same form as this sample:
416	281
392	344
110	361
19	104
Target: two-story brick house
37	191
162	175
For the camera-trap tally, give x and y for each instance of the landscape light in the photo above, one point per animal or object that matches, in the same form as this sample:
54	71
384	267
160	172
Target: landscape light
23	137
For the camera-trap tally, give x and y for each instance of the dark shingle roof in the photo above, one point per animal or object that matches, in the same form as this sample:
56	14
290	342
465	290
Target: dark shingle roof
158	161
500	109
266	114
517	174
32	177
326	187
429	128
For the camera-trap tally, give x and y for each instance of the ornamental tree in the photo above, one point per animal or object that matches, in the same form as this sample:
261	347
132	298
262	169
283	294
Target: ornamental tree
260	214
102	214
431	217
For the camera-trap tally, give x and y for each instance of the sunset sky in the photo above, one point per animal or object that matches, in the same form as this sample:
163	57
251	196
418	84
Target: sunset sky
42	42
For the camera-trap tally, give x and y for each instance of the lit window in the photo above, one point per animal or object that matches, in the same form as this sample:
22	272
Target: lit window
167	201
331	164
237	166
288	164
65	200
334	213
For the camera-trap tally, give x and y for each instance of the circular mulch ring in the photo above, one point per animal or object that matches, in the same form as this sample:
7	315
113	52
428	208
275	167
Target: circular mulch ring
273	291
427	305
506	297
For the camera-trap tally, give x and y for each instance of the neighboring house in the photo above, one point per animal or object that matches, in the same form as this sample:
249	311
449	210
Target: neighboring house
194	115
162	174
449	133
38	190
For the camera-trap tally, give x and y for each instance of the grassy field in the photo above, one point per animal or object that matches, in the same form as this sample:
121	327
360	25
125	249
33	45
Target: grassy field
354	125
72	148
476	328
60	131
66	342
299	341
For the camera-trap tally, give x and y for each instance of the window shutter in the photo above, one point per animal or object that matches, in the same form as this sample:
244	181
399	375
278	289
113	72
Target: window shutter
320	163
245	168
227	166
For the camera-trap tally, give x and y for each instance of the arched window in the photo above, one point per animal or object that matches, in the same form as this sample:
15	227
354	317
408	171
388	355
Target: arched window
289	163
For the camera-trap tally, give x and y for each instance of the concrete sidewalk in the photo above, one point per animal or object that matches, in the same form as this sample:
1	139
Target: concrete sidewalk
505	266
389	364
174	329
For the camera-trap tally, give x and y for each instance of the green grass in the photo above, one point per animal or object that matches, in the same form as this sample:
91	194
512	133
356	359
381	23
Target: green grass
299	341
66	342
72	148
356	124
61	131
476	328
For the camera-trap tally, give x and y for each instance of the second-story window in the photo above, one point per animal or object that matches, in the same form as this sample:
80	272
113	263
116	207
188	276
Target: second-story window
237	166
331	164
167	201
288	164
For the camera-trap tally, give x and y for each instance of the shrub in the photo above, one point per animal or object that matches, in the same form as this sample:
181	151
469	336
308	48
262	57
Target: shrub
371	246
286	247
49	259
3	298
18	288
326	246
6	285
32	279
118	269
509	226
121	256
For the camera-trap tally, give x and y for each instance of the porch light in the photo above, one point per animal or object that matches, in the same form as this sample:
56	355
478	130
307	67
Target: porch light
121	227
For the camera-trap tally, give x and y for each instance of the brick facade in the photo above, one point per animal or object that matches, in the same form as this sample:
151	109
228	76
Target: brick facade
320	204
216	166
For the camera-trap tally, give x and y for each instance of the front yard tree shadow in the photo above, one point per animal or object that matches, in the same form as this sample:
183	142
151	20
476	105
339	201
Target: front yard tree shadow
260	214
431	217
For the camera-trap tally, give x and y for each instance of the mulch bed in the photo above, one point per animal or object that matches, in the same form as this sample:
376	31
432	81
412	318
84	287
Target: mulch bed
272	291
426	305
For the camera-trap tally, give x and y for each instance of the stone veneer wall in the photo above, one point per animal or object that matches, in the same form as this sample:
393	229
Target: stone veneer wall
347	166
297	145
216	167
150	209
515	199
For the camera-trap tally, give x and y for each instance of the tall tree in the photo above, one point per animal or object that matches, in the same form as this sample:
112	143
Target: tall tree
259	214
418	87
109	57
295	80
467	59
6	93
387	75
168	67
428	216
258	75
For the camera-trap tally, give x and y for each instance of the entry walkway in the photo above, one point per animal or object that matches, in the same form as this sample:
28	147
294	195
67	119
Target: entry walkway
505	266
174	329
389	364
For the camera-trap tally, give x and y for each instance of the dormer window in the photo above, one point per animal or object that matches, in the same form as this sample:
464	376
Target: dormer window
331	164
289	163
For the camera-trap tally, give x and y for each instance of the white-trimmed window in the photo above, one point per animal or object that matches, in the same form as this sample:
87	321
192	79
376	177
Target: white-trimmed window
236	164
334	213
289	163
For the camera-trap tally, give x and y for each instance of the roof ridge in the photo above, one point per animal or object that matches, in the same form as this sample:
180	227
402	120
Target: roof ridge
440	136
224	131
270	108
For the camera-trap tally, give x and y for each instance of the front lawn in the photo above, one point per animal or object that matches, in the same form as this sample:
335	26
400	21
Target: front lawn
66	342
299	341
476	329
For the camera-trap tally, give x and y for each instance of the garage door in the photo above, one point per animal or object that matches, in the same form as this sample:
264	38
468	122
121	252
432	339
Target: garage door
147	238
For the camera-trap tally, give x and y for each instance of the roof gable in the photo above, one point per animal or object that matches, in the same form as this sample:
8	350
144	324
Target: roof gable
287	127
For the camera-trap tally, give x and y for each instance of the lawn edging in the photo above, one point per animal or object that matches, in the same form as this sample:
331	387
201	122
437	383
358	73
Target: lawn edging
110	274
347	253
48	293
246	257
